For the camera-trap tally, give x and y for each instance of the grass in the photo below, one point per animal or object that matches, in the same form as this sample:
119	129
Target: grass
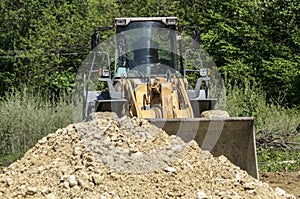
26	117
273	159
269	118
252	101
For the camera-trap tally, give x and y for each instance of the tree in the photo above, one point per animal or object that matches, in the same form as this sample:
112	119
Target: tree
42	43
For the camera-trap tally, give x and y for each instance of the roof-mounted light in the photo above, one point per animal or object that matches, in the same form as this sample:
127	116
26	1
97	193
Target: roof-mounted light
120	22
171	21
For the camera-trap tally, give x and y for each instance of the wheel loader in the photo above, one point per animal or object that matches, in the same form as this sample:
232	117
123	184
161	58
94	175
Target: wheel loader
147	73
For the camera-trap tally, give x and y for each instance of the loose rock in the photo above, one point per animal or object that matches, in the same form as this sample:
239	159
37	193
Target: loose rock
125	158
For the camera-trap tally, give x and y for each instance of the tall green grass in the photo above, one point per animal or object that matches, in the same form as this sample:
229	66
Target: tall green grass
250	100
26	117
269	118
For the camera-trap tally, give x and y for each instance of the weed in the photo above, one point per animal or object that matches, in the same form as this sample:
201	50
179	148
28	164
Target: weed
273	159
270	118
26	117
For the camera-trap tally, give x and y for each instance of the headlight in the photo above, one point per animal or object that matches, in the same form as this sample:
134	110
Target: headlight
204	72
103	72
106	72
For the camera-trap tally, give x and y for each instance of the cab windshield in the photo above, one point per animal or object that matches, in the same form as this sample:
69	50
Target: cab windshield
146	46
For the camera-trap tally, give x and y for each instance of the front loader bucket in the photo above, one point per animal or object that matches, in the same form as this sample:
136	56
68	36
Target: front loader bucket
233	137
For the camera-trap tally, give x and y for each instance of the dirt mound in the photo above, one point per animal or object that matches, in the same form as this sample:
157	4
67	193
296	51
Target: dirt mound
112	157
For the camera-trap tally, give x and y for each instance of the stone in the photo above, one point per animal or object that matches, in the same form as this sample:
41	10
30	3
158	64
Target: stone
103	197
84	175
290	196
136	155
222	159
106	141
201	195
72	181
97	179
31	190
64	178
41	168
50	196
9	181
66	185
249	186
204	154
82	183
45	190
238	177
76	150
169	169
214	114
280	191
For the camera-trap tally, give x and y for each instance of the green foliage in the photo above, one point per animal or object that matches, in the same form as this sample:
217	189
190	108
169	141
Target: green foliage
249	99
5	136
26	117
43	42
245	99
257	40
7	159
277	160
53	30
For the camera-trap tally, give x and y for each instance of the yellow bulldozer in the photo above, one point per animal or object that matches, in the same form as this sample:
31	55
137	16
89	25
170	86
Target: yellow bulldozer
145	75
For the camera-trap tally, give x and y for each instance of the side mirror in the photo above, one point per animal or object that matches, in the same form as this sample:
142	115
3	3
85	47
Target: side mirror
196	38
95	40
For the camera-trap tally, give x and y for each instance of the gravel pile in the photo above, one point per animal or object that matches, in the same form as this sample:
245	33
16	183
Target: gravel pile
110	157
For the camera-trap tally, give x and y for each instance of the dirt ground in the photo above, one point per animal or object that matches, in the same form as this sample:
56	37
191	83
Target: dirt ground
289	181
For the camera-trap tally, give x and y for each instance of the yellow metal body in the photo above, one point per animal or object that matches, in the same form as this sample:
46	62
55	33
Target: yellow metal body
158	98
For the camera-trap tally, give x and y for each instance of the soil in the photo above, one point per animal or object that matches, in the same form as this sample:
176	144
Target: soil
112	157
289	181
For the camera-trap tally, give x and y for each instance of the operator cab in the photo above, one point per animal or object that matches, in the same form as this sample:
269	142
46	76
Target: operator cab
145	47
